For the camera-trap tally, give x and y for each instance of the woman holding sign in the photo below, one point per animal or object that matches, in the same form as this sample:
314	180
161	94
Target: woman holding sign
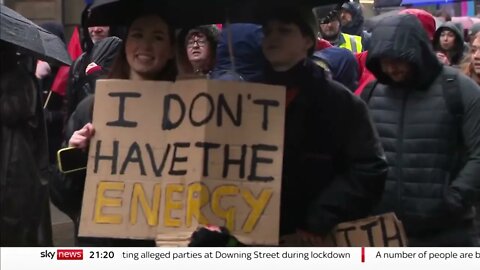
148	54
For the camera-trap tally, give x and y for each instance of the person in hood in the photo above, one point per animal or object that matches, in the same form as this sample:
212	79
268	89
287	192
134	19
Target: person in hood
351	18
449	44
246	61
427	116
342	64
429	25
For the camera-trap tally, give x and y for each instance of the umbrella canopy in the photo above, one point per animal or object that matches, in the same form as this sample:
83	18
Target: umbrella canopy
186	13
31	38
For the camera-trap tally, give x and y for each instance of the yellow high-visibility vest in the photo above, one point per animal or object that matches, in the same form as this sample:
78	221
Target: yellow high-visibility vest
352	43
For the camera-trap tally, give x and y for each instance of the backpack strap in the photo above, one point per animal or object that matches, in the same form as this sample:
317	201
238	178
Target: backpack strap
368	91
452	93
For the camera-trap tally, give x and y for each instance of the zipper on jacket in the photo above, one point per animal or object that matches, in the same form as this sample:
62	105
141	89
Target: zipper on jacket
400	150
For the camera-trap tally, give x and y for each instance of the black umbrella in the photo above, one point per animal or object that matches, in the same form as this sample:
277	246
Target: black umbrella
186	13
31	38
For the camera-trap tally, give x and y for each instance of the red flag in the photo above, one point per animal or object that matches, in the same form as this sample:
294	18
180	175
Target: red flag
59	85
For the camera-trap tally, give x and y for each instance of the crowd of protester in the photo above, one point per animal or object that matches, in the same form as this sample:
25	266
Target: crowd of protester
387	121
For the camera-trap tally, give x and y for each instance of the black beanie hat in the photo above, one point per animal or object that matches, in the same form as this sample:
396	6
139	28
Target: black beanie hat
326	14
302	17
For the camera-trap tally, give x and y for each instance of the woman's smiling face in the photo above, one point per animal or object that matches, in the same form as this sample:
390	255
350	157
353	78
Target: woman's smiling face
148	47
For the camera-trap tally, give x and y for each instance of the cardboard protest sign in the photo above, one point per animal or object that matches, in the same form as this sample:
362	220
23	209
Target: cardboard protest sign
377	231
169	156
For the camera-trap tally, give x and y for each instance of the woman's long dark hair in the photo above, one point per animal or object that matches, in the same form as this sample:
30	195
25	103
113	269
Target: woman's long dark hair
121	69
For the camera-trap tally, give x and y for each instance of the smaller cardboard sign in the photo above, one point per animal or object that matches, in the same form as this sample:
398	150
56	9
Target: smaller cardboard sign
377	231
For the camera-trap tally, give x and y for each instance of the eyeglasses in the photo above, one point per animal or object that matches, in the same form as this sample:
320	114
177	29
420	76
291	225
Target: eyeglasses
200	43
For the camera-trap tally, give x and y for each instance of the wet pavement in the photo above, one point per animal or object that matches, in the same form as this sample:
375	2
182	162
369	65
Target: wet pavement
62	228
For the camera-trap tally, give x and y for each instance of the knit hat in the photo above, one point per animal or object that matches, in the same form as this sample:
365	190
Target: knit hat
302	17
326	14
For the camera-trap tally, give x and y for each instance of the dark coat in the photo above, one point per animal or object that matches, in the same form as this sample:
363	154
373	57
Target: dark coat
24	197
81	84
432	182
334	167
67	189
342	64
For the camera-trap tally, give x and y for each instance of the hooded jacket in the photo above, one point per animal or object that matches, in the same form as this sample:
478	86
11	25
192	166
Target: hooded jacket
343	65
333	165
365	76
429	25
247	54
456	54
355	27
397	38
81	82
429	186
427	20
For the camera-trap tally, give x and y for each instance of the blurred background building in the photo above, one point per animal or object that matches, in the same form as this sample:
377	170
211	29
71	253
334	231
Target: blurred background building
455	8
66	12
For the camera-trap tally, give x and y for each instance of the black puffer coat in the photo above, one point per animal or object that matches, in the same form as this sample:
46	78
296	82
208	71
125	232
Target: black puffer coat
430	186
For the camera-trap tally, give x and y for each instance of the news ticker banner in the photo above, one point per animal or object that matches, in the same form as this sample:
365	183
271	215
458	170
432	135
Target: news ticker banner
239	258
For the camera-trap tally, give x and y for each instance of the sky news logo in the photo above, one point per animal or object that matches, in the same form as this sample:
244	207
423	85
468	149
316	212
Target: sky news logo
63	254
